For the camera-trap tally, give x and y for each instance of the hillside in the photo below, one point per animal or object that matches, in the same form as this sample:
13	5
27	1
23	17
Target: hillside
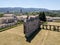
17	9
30	11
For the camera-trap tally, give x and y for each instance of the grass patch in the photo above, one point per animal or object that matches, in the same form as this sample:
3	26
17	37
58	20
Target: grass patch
45	23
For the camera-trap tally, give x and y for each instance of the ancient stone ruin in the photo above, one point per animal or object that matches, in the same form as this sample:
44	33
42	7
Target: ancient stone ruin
30	25
50	27
7	20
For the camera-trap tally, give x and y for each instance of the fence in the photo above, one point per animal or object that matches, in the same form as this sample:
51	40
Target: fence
51	27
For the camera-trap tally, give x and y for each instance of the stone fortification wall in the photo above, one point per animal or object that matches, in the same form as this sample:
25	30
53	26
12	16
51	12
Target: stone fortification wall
31	25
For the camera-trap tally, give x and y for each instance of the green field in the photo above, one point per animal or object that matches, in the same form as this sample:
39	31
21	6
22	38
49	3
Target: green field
15	36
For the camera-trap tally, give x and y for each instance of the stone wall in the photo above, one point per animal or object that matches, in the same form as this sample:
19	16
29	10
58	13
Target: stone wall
8	20
7	25
31	25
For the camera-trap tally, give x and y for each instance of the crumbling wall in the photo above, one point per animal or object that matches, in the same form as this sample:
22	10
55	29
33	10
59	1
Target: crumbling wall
31	25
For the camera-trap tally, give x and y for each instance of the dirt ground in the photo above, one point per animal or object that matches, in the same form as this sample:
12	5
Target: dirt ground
15	36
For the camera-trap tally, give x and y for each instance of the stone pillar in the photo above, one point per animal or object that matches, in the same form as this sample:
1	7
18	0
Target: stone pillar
54	28
42	26
58	28
46	27
50	27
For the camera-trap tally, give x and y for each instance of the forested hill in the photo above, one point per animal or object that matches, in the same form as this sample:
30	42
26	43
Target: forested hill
28	10
17	9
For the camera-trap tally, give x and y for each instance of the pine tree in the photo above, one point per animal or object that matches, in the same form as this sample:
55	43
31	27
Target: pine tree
7	12
42	16
21	11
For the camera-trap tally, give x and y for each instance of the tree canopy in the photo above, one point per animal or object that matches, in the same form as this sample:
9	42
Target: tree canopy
1	15
42	16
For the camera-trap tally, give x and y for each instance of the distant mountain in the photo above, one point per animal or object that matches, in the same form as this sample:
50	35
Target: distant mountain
17	9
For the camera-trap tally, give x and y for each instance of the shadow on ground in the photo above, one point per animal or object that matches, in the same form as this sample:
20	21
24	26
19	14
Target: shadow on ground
30	38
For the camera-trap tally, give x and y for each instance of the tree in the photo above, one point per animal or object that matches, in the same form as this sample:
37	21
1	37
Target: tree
21	11
42	16
26	13
7	12
1	15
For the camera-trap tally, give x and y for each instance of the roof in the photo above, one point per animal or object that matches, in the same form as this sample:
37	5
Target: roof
56	17
25	16
8	15
6	18
52	18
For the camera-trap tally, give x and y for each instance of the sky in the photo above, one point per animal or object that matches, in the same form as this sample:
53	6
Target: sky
48	4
